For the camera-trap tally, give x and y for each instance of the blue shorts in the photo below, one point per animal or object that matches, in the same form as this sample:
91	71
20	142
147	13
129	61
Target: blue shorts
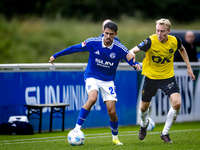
150	87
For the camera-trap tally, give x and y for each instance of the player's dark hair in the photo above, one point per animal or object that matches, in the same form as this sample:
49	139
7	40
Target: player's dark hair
111	25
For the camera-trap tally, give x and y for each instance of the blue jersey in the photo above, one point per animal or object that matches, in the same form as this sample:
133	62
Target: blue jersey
103	61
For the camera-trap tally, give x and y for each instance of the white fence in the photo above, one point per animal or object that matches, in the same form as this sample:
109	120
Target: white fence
71	66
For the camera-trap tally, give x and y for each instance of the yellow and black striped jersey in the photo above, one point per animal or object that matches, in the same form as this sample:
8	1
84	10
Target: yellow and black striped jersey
158	61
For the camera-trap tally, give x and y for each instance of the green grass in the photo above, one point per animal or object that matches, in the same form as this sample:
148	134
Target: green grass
34	40
184	135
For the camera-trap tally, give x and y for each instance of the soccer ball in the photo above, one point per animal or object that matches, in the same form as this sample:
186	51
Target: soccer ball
76	137
151	125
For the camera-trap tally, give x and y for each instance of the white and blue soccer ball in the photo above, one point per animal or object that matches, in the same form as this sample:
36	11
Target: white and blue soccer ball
76	137
151	125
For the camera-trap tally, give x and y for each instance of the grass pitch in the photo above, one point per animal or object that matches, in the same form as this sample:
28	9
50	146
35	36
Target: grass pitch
184	135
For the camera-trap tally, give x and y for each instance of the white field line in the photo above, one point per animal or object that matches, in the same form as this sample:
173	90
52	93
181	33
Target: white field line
88	136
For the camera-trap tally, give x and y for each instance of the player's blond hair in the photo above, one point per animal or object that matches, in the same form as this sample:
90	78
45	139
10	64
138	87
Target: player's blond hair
163	21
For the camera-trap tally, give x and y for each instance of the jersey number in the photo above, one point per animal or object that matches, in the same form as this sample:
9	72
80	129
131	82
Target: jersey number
111	90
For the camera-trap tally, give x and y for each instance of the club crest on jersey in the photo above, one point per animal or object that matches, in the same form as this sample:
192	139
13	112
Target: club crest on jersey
89	86
141	44
171	50
83	44
112	55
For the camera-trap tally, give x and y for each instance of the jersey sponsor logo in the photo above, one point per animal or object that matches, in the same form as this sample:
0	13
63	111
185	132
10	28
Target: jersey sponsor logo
112	55
170	85
97	52
145	41
103	63
158	59
83	44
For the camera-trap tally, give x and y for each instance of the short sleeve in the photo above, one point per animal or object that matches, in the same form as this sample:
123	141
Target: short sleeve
145	45
179	42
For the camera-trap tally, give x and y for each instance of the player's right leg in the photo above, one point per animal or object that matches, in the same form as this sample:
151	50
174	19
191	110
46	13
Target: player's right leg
92	90
144	111
85	110
148	91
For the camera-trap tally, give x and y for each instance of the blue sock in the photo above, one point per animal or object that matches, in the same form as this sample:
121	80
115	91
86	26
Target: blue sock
82	116
114	127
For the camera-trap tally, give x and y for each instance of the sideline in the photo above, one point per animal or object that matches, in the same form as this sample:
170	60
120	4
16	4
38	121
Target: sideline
88	136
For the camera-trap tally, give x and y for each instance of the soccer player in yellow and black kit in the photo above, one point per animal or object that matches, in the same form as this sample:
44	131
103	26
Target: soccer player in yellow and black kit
158	70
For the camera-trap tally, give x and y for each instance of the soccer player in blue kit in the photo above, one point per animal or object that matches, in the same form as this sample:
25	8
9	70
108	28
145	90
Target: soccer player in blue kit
105	54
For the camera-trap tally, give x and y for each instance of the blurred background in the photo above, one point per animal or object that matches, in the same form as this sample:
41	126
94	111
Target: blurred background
31	31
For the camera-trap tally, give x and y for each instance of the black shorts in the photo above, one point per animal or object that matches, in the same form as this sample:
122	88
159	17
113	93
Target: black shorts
150	87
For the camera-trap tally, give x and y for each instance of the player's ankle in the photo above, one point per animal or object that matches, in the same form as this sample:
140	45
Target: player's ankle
115	137
77	127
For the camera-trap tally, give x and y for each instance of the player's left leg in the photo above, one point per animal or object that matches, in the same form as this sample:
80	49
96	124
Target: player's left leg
109	97
113	120
175	99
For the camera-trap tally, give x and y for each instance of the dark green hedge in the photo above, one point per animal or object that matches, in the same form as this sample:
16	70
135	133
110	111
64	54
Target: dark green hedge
179	10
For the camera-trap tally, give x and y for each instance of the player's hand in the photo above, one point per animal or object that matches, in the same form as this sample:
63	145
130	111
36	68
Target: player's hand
130	56
137	67
51	60
190	73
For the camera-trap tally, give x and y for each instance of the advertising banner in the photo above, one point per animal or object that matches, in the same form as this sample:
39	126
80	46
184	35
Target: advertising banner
43	87
190	93
20	88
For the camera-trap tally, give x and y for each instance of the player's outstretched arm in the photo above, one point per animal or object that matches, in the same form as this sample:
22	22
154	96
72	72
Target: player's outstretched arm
186	60
51	60
134	51
190	73
130	56
131	61
135	64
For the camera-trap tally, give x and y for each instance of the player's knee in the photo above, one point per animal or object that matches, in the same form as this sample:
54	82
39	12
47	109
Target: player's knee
112	113
176	101
92	100
177	105
92	95
144	106
143	109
